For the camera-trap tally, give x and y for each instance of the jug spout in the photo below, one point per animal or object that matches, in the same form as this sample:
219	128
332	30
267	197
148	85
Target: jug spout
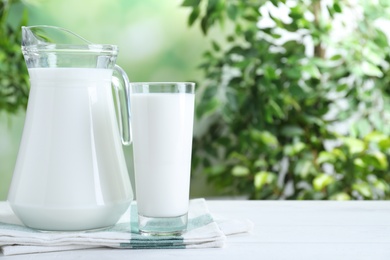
46	46
43	35
28	37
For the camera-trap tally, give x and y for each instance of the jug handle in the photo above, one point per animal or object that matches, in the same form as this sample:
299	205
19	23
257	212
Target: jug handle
121	85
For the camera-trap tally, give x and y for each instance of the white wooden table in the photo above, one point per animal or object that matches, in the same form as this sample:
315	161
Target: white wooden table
283	230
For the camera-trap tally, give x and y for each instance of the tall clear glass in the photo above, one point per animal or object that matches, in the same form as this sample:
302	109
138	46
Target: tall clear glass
71	172
162	116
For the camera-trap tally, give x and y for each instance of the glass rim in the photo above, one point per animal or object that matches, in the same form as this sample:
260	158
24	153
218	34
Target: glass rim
162	83
162	87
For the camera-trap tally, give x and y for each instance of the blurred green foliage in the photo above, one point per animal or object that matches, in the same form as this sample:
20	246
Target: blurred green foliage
14	77
276	90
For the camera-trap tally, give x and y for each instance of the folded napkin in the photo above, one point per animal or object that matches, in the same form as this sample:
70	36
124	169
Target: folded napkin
202	232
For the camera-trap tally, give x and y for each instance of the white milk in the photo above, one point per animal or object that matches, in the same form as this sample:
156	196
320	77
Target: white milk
71	172
162	139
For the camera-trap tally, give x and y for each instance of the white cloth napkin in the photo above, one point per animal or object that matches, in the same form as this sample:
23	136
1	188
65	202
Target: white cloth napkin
203	231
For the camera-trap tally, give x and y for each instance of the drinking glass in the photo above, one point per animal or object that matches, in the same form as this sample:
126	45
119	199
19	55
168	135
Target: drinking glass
162	115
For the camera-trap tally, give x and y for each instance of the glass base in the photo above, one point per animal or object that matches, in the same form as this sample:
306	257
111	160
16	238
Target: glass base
162	226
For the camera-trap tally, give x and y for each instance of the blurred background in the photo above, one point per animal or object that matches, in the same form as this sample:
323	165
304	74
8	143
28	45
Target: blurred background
292	96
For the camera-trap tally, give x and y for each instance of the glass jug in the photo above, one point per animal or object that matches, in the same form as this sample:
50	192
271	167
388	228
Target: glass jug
70	172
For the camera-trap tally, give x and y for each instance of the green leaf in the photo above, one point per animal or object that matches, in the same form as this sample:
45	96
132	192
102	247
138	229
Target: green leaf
312	70
337	8
382	185
340	196
276	35
339	154
326	157
303	168
232	12
276	109
293	73
270	73
210	92
371	70
375	136
322	181
354	145
191	3
241	157
363	127
240	171
376	159
207	107
193	16
204	25
296	13
363	188
264	137
381	39
275	2
260	163
230	38
336	57
216	47
330	11
215	170
262	178
374	57
359	162
291	131
384	144
294	149
342	87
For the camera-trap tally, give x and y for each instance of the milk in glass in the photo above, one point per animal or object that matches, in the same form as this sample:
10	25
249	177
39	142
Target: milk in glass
162	126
